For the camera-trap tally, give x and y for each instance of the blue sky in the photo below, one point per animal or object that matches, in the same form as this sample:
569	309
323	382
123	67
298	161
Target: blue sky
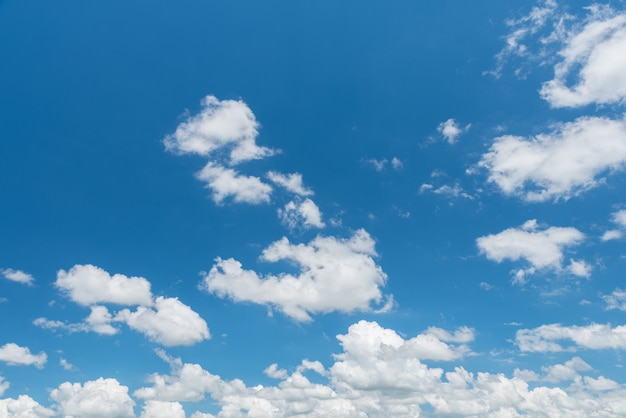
355	209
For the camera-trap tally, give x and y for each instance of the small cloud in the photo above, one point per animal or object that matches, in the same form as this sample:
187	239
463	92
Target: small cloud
451	130
485	286
65	364
397	164
378	165
17	276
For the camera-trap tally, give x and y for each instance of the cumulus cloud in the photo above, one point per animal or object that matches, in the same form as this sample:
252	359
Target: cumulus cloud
15	355
161	409
291	182
90	285
220	124
592	65
380	374
101	398
616	300
228	183
170	323
166	321
547	338
450	130
335	275
542	248
17	276
301	214
23	407
559	164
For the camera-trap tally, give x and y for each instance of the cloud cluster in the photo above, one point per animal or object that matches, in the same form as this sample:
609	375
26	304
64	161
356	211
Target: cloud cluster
619	218
541	248
335	275
166	321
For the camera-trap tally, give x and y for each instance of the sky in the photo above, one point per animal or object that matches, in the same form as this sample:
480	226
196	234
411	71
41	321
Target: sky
313	209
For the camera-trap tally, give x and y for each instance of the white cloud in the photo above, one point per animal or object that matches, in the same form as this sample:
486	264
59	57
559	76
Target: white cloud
611	235
227	182
380	374
560	164
101	398
161	409
397	164
546	338
291	182
98	321
618	218
378	165
446	190
89	285
335	275
301	214
23	407
592	56
616	300
451	130
4	385
523	28
543	249
17	276
220	124
14	355
170	323
66	364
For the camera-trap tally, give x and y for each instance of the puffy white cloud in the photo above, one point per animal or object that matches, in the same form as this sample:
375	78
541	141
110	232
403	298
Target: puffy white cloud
380	374
170	323
226	182
546	338
541	248
23	407
66	364
291	182
335	275
14	355
220	124
17	276
559	164
161	409
397	164
90	285
619	218
100	398
616	300
301	214
451	130
592	56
